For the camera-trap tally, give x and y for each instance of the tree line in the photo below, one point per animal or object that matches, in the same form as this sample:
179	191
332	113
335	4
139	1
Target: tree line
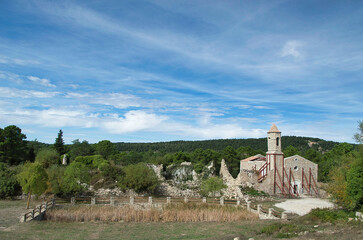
107	164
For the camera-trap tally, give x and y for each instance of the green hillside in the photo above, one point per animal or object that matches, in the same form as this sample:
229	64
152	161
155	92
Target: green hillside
301	143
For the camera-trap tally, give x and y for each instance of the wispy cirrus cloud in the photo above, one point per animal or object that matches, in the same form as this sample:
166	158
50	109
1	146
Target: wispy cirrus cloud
42	81
6	92
292	48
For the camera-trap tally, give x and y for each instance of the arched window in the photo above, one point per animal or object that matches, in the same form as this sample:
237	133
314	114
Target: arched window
277	141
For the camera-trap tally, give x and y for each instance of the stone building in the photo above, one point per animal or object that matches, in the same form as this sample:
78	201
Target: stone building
275	174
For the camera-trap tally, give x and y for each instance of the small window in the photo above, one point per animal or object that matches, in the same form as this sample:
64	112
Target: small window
296	159
277	141
296	168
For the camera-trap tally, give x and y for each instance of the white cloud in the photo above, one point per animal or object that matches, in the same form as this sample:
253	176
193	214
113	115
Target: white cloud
17	93
8	60
134	121
291	48
42	81
11	77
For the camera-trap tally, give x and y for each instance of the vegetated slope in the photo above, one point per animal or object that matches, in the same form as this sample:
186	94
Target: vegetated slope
301	143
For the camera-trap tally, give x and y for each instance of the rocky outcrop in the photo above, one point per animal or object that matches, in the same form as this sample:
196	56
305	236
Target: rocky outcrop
233	189
158	169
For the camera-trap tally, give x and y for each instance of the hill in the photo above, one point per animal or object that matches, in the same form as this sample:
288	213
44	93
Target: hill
301	143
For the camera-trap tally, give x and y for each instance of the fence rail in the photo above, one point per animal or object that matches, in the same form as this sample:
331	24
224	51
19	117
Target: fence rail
38	212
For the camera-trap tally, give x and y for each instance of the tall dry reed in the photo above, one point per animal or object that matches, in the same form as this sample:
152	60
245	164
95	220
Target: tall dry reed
171	213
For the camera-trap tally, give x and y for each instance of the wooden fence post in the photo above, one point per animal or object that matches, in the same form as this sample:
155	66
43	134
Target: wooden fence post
132	200
73	200
204	200
248	206
112	201
168	200
186	199
238	202
284	215
150	200
221	201
270	212
259	208
93	201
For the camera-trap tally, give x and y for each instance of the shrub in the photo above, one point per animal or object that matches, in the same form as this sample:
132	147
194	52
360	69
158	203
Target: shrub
95	161
55	177
47	157
9	186
139	178
75	175
253	192
212	185
328	215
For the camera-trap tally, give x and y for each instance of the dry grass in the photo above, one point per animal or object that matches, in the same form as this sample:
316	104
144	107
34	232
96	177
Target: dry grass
171	213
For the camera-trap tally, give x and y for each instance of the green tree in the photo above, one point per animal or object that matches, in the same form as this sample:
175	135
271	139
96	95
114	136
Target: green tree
12	145
355	183
9	186
59	143
80	149
94	161
47	157
76	175
139	178
291	151
229	154
55	176
212	186
33	179
105	148
358	137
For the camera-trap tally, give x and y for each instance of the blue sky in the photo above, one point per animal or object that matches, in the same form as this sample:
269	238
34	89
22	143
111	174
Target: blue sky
146	71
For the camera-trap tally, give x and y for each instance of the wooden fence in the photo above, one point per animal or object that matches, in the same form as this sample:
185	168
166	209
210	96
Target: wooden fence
38	212
148	200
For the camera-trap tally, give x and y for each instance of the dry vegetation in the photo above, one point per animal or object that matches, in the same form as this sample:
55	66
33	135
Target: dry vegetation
172	213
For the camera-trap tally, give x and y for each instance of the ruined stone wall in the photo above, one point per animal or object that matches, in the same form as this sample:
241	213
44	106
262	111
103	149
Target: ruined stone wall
251	165
297	163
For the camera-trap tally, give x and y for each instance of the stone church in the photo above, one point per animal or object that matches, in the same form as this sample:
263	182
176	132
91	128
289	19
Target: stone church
274	174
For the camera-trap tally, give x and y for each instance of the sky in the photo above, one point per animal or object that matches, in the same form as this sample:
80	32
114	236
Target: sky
150	71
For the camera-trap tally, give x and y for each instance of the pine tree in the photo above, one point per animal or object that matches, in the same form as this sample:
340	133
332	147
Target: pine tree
59	143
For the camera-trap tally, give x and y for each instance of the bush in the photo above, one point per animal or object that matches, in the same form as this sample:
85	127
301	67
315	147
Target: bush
55	177
9	186
253	192
75	175
47	157
328	215
212	185
95	161
139	178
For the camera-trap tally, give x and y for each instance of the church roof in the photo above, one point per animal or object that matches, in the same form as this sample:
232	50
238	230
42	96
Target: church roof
274	129
257	157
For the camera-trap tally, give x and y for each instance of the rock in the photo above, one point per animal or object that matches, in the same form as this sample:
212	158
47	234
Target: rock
359	214
315	226
236	238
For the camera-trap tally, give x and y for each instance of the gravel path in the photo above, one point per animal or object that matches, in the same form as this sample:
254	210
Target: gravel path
303	206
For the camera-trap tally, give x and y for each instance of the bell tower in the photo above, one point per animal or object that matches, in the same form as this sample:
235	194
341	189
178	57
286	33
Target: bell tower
274	140
274	155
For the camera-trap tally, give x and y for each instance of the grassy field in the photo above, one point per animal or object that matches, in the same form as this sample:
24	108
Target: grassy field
303	228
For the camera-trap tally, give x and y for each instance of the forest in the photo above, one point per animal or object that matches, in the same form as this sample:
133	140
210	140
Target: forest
88	163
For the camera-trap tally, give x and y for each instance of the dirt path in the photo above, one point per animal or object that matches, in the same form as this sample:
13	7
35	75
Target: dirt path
304	206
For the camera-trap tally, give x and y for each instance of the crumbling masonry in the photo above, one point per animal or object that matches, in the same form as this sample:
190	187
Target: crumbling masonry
293	176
